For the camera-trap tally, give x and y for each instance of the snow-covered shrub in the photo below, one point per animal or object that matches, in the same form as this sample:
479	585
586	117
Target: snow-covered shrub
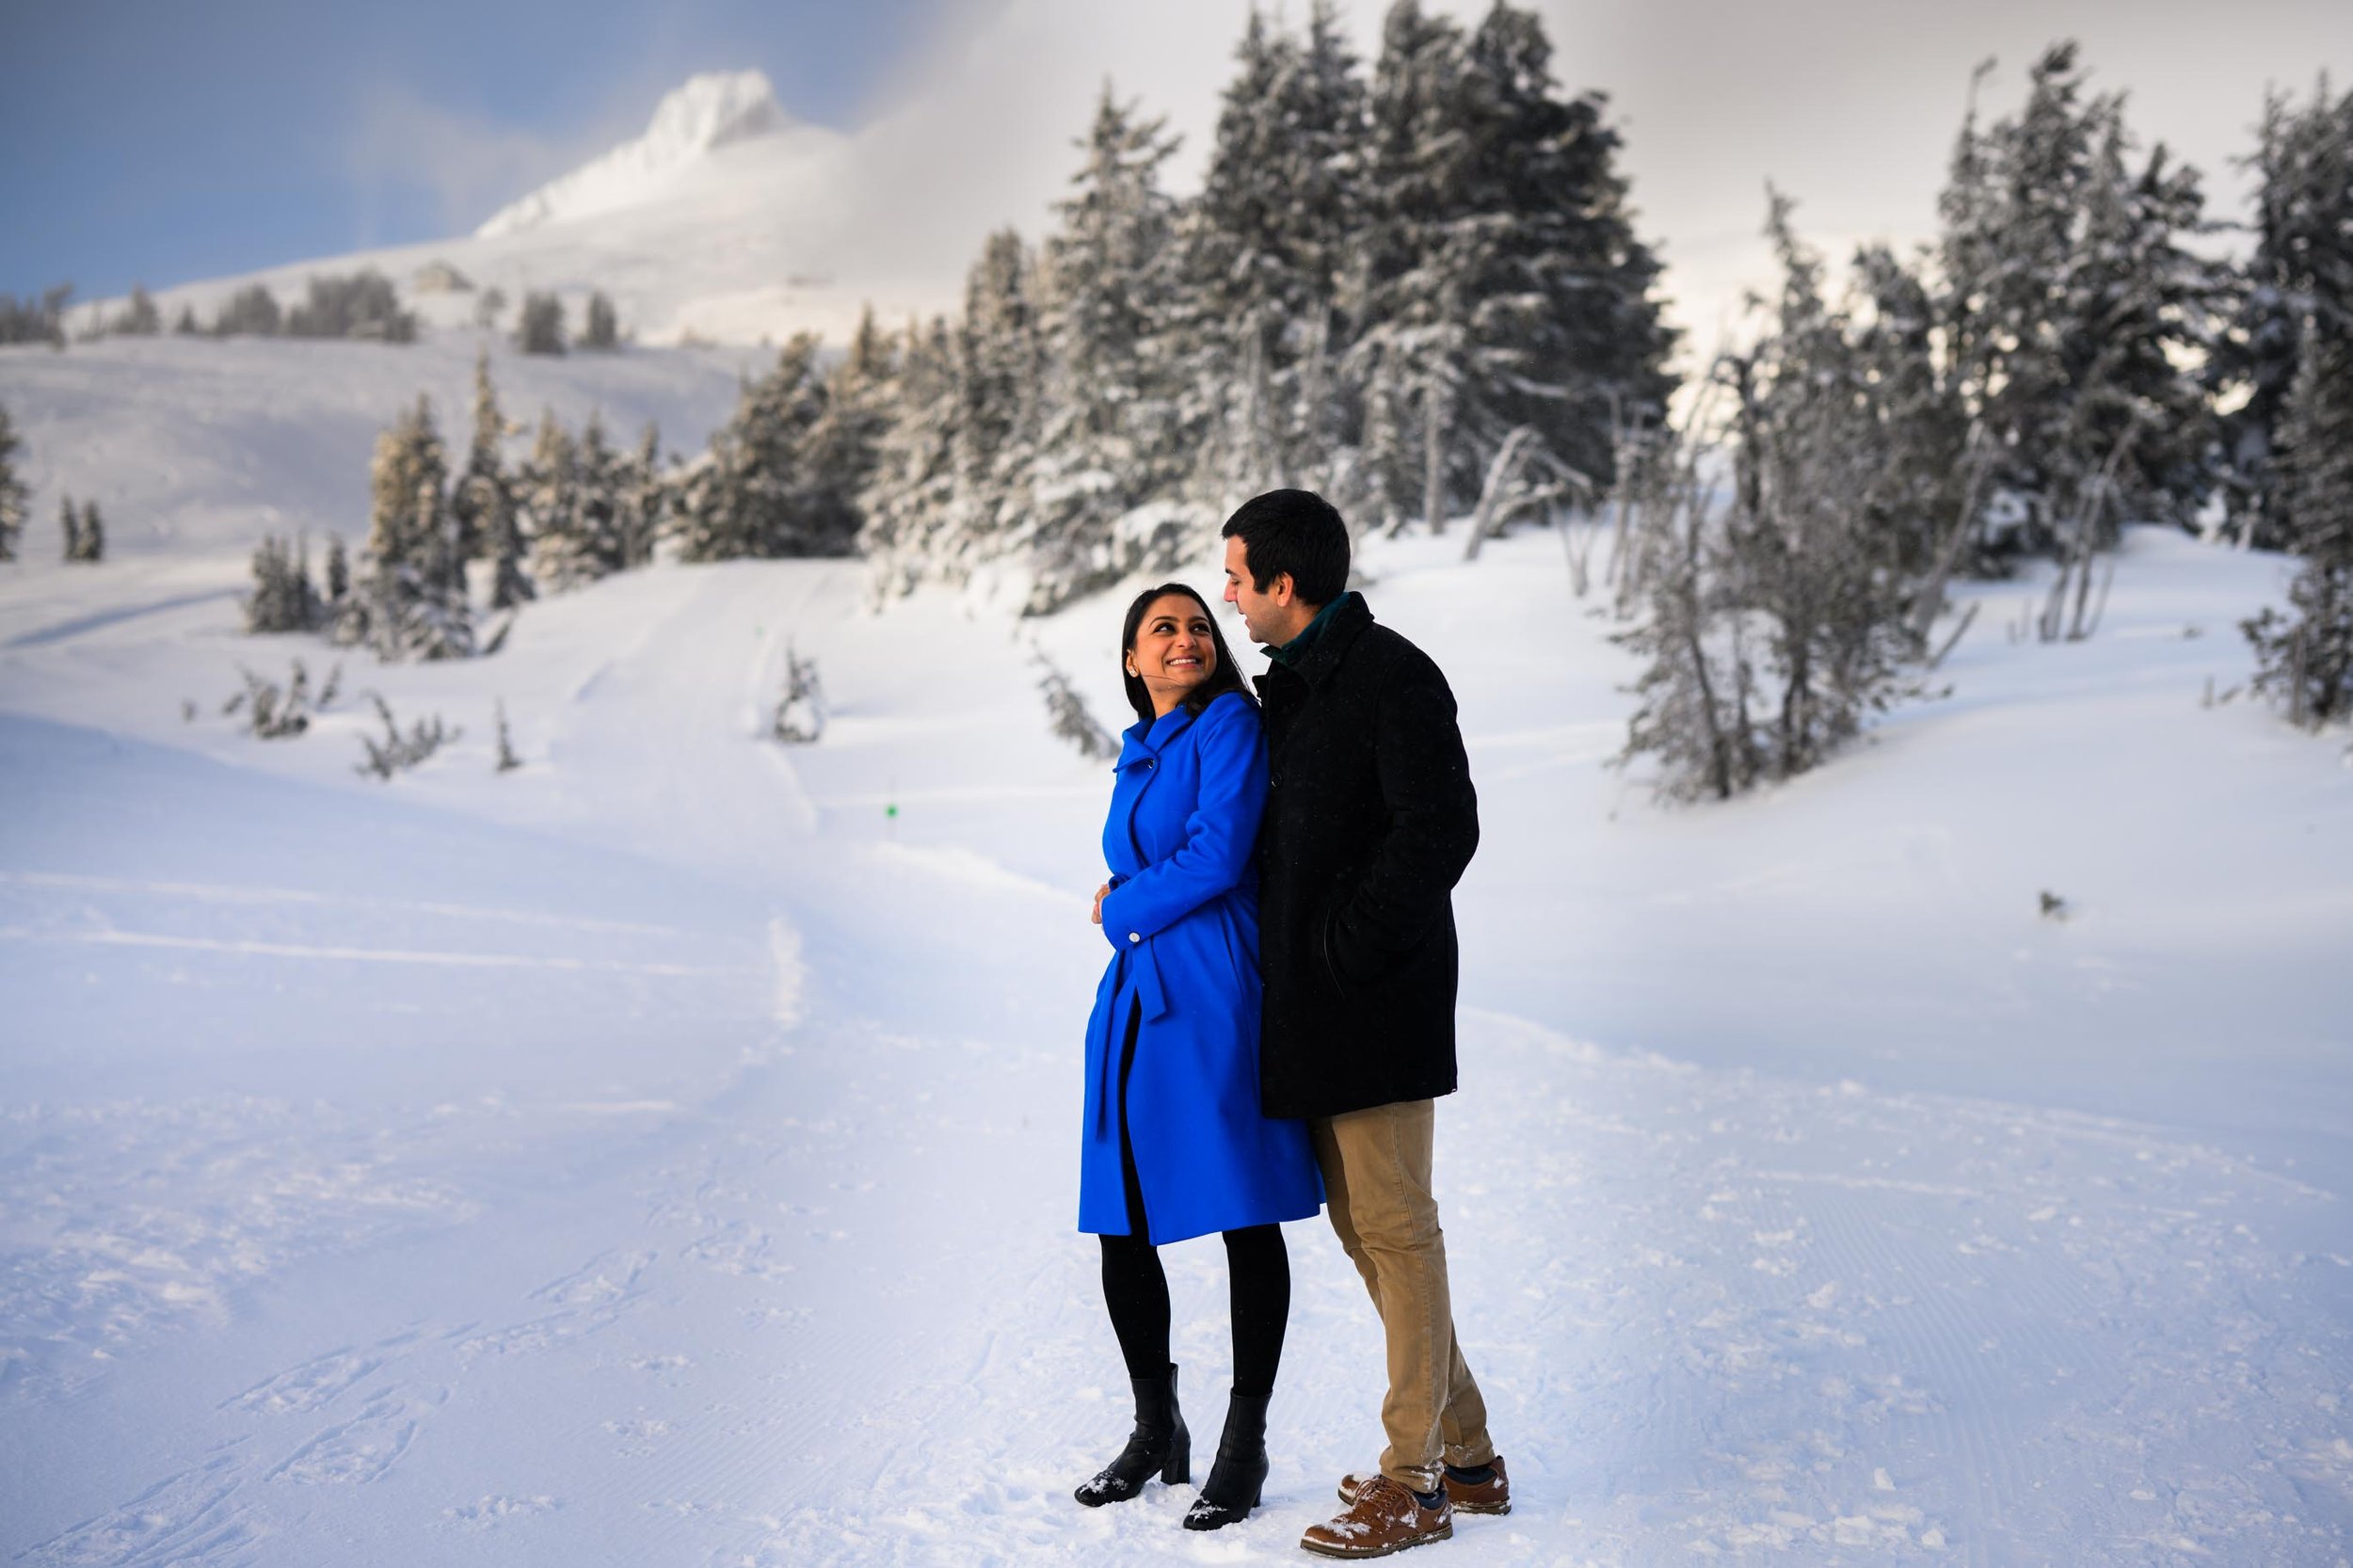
800	717
398	751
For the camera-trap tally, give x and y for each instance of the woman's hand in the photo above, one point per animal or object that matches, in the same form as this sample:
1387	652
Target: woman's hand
1098	916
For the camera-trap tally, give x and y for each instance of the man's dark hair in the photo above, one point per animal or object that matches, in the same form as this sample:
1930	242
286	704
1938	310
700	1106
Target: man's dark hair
1225	676
1296	532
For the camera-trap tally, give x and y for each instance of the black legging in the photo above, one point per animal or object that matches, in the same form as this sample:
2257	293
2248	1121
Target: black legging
1136	1290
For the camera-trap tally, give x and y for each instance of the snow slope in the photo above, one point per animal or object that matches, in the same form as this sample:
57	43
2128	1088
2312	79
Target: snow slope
665	1152
198	448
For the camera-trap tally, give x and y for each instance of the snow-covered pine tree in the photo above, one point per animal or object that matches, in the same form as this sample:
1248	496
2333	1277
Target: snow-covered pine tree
12	490
338	575
1807	553
547	494
410	601
2302	268
2073	306
482	487
1923	427
602	330
138	317
752	493
253	311
1000	398
1418	254
2142	306
540	326
580	542
1769	638
1563	336
92	536
70	524
838	452
1264	249
910	504
363	305
283	599
2308	656
1110	442
643	500
184	324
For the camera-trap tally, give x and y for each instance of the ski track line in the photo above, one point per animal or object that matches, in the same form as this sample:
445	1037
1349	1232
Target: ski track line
100	620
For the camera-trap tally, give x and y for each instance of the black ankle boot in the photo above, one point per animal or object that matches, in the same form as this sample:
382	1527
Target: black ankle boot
1160	1442
1237	1478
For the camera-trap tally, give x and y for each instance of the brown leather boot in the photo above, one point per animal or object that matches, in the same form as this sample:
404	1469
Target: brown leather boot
1384	1517
1492	1496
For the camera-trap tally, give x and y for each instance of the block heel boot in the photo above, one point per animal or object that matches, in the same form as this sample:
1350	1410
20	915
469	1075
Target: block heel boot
1237	1478
1158	1443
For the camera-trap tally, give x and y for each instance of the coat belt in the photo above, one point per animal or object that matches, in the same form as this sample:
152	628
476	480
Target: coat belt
1139	963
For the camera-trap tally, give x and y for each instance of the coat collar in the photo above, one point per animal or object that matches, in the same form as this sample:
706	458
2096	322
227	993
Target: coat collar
1148	738
1349	618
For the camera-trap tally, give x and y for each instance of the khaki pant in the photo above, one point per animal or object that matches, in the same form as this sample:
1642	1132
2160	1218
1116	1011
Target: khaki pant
1376	1183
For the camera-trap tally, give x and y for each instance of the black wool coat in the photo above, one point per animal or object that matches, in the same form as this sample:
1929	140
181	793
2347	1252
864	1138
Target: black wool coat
1371	820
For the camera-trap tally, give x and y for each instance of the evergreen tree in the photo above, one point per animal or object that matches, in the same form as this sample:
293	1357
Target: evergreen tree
1923	427
1421	249
412	600
2073	308
755	492
604	329
911	504
253	311
548	495
1264	251
1770	636
93	535
1109	439
364	306
12	491
184	325
2302	268
842	446
70	521
644	501
2308	657
1000	360
283	598
540	327
338	573
1564	337
138	318
483	491
581	540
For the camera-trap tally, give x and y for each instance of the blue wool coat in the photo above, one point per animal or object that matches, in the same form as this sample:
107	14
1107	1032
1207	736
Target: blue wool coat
1182	920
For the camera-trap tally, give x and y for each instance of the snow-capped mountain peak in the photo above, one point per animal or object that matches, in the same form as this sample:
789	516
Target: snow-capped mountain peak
712	110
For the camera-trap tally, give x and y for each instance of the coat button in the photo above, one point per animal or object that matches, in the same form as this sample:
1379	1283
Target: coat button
1135	935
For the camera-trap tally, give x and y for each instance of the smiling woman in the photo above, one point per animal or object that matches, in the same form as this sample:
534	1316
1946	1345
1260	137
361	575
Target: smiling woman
1173	654
1174	1143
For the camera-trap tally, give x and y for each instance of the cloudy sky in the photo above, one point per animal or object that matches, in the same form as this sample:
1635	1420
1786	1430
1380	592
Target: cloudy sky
163	143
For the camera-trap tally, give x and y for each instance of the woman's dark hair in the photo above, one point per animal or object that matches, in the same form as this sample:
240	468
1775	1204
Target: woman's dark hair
1225	678
1296	532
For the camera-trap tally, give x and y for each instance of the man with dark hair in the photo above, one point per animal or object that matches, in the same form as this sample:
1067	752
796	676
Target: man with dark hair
1369	824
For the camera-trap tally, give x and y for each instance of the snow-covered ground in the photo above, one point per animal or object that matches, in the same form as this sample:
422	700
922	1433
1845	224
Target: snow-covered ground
666	1152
